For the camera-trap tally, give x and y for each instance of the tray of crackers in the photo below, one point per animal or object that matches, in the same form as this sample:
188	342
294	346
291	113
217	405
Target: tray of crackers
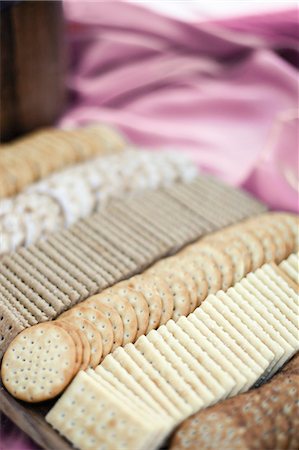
162	317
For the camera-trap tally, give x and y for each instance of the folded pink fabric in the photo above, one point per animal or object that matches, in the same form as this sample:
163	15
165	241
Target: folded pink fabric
214	89
223	91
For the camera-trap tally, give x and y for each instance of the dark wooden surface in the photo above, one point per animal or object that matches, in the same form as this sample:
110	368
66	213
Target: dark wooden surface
31	419
33	61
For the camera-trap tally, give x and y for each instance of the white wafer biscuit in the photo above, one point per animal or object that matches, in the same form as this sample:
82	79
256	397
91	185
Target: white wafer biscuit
183	370
203	376
274	350
245	300
236	352
180	403
165	369
124	373
229	361
282	286
227	382
291	271
282	324
201	356
84	416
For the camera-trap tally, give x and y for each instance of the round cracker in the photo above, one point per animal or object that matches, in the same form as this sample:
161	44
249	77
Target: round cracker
86	353
39	362
144	284
181	297
98	319
165	295
112	315
93	335
252	243
282	224
137	300
293	222
266	241
125	310
78	343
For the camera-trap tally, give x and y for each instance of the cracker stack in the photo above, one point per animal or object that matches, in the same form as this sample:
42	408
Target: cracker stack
61	199
264	418
47	278
37	155
229	344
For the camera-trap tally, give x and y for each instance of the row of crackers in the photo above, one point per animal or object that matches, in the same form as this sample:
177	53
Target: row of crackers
63	198
41	281
41	153
142	391
175	287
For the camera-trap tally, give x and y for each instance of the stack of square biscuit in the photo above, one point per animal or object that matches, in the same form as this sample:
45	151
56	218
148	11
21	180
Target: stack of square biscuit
230	343
39	154
40	282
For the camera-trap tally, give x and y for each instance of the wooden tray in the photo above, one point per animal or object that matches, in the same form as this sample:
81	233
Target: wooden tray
31	419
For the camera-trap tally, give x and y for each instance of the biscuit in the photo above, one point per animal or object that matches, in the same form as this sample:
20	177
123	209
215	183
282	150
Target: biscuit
9	326
165	295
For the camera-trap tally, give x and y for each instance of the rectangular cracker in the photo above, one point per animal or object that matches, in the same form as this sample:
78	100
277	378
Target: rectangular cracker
83	415
202	357
179	403
280	285
203	376
227	381
259	313
129	373
9	327
290	271
167	371
229	361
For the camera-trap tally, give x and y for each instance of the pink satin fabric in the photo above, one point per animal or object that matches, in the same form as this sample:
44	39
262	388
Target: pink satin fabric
223	91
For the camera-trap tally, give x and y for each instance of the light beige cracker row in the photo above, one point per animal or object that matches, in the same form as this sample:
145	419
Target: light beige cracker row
98	319
250	356
222	260
93	335
181	367
203	376
227	381
291	268
165	295
125	310
39	363
213	382
91	417
77	341
169	373
10	326
234	352
123	367
246	301
190	284
112	315
143	284
267	308
282	286
138	302
266	240
179	403
266	288
253	331
135	399
292	221
260	352
228	360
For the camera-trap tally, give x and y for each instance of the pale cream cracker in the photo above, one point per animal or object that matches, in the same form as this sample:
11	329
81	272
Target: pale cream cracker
283	280
137	300
98	319
245	300
268	300
228	360
258	279
31	300
61	277
143	284
178	402
203	360
114	317
165	369
291	272
39	363
122	366
181	367
107	423
250	355
227	381
94	243
203	377
93	335
125	310
254	327
165	294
